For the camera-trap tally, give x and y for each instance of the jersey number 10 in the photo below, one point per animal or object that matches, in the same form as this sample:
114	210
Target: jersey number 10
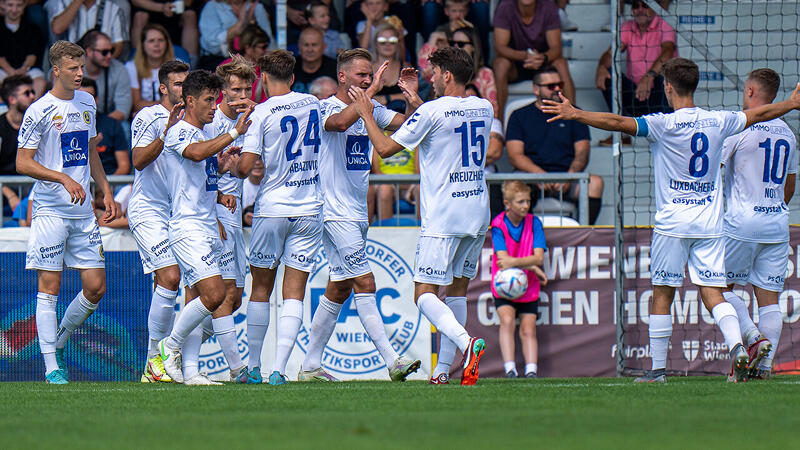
475	139
310	139
771	171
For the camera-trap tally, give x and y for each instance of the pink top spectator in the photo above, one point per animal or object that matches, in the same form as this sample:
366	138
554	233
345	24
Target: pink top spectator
643	49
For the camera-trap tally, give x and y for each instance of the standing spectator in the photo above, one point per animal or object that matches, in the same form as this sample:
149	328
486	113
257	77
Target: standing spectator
112	146
518	241
319	16
223	20
182	26
17	92
386	45
113	83
535	146
457	12
648	42
253	43
78	17
22	46
527	37
151	53
313	63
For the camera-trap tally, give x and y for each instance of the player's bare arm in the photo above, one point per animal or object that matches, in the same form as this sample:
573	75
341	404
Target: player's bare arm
383	144
345	118
144	156
505	261
788	188
200	151
773	110
26	165
99	176
606	121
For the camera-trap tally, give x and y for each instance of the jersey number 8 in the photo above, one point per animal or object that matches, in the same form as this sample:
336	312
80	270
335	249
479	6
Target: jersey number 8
699	150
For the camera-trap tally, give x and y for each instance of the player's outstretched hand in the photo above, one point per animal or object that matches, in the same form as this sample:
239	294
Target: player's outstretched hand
175	115
795	97
409	79
562	110
241	105
361	102
111	208
244	123
377	80
222	234
228	159
76	193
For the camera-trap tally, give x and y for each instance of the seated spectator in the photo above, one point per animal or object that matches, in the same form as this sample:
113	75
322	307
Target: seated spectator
457	12
121	221
253	43
112	146
535	146
21	209
222	20
323	87
319	16
182	26
76	18
494	152
17	93
404	162
374	12
113	82
518	241
527	37
648	42
297	17
154	50
386	45
22	46
313	63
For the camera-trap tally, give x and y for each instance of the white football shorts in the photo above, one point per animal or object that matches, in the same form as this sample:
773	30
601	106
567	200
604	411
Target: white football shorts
56	242
669	255
293	241
345	245
440	259
762	265
152	238
198	256
233	261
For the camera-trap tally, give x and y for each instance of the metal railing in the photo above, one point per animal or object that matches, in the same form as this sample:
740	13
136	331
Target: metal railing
582	179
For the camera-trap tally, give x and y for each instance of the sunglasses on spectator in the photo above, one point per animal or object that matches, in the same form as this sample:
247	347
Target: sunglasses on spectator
105	52
459	44
27	92
552	86
384	40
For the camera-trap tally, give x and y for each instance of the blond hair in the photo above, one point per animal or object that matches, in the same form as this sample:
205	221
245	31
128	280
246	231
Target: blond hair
239	67
349	55
61	49
513	187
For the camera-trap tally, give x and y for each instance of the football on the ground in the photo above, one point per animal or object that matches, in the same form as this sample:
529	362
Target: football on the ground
511	283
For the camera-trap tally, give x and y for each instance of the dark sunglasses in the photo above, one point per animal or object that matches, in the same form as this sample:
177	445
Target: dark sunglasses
459	44
552	86
105	52
27	92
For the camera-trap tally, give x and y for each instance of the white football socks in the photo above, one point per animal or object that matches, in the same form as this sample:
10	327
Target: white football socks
46	324
207	326
727	321
322	326
191	316
288	326
160	318
531	367
748	328
371	319
660	330
225	331
78	310
443	319
770	323
508	366
190	354
447	349
257	324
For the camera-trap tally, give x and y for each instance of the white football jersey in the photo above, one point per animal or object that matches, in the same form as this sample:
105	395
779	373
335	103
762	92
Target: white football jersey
150	195
345	160
285	133
451	134
192	185
756	163
687	153
59	131
228	183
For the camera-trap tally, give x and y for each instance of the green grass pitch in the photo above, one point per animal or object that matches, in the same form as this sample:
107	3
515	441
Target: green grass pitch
596	413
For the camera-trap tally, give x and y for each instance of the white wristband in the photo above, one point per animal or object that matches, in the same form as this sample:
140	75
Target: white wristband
234	134
163	136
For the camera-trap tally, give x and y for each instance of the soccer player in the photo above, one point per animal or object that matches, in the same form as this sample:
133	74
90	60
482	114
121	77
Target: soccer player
194	236
287	221
760	172
237	87
149	209
452	133
57	147
344	161
687	152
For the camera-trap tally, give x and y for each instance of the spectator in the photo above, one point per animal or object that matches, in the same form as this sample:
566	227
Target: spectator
319	16
76	18
648	42
518	241
182	26
252	44
24	56
112	146
566	24
154	50
323	87
535	146
297	17
404	162
17	93
223	20
386	45
493	153
113	82
527	37
313	63
457	12
374	12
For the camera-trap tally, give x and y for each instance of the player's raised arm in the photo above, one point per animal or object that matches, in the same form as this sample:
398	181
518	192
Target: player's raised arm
345	118
409	84
773	110
383	144
144	156
200	151
605	121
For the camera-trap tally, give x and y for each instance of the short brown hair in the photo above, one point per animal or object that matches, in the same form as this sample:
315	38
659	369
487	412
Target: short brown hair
456	2
350	55
169	67
454	60
683	75
768	80
513	187
61	49
238	67
278	64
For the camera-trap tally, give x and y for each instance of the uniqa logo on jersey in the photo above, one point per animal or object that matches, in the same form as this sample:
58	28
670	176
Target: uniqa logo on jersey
350	352
212	361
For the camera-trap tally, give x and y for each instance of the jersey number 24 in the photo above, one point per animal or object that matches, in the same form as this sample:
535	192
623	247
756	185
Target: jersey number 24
311	138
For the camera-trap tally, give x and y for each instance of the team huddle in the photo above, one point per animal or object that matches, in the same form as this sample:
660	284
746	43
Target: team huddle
191	155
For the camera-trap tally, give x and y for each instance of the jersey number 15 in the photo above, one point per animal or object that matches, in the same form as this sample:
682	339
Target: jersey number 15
475	139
